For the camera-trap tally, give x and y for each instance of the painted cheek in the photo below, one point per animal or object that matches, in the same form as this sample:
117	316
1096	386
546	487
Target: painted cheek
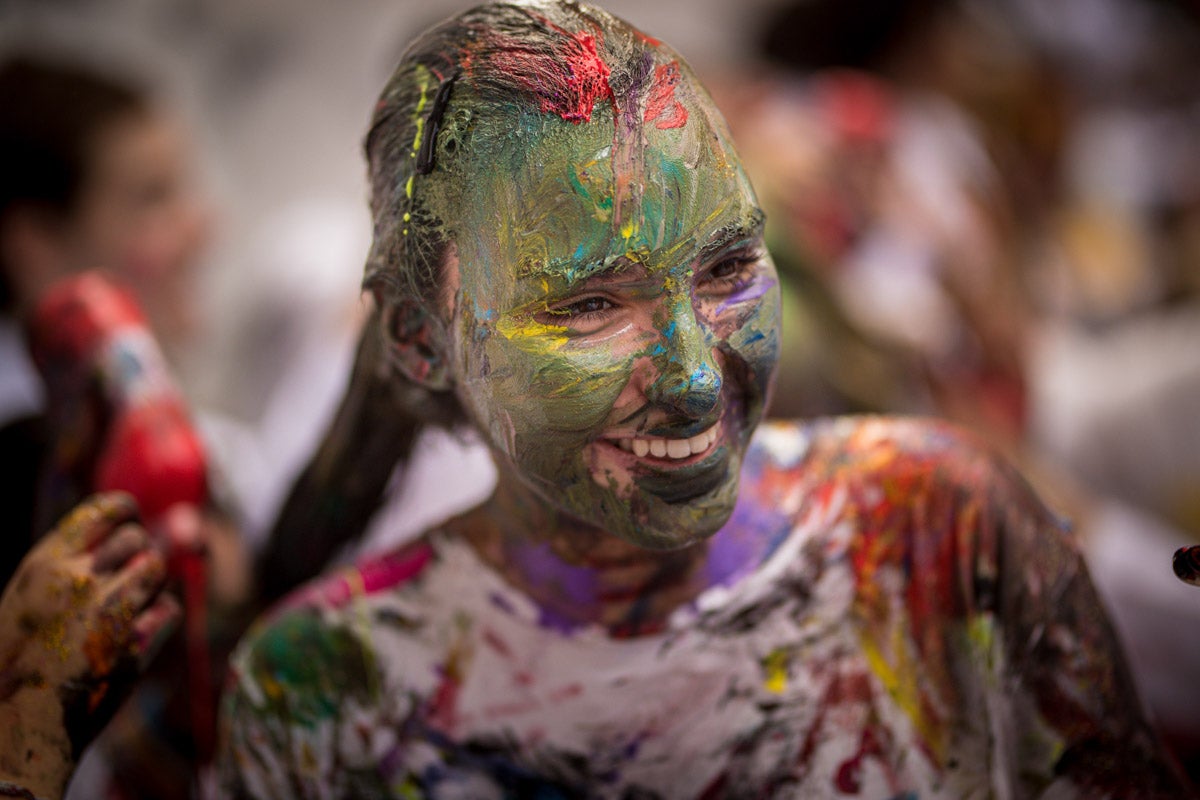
755	337
578	391
532	382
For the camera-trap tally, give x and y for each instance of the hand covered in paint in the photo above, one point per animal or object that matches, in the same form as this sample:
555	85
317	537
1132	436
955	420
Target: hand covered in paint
79	621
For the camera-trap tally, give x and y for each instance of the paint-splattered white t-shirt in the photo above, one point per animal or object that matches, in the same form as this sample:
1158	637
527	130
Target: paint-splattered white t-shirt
921	628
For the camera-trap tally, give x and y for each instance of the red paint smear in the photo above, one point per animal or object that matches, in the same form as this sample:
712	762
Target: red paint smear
661	106
443	708
566	692
647	39
568	81
849	775
496	643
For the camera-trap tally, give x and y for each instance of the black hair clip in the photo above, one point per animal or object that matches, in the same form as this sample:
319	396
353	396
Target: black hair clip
432	124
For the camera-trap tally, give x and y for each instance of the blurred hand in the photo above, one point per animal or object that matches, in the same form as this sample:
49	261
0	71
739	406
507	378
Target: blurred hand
81	618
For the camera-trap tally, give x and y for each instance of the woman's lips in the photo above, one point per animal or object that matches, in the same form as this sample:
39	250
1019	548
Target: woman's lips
670	449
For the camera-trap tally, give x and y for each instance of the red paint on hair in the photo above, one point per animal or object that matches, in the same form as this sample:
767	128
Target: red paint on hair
647	39
567	81
661	106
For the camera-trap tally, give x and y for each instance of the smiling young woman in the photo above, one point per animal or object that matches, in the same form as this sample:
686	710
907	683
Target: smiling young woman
658	600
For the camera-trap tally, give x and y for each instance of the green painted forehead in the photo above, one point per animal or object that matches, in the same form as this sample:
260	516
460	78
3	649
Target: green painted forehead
649	186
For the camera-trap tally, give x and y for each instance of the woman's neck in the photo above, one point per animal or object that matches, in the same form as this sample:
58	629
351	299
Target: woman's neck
579	574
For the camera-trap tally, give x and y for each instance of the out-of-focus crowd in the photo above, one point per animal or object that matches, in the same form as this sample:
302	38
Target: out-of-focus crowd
990	211
987	210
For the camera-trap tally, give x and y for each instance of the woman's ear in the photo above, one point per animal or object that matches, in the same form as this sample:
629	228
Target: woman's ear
415	343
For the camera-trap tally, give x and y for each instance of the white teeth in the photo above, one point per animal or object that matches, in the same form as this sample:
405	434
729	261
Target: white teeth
700	442
679	448
670	448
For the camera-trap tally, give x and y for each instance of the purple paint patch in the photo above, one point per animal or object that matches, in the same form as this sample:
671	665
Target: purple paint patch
576	584
501	602
746	541
752	291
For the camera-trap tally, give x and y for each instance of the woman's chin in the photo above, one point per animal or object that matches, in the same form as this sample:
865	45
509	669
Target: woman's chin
659	525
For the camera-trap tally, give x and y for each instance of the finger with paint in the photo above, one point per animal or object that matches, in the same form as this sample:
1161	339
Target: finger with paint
82	617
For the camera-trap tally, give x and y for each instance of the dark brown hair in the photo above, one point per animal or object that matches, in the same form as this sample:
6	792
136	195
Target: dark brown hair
51	116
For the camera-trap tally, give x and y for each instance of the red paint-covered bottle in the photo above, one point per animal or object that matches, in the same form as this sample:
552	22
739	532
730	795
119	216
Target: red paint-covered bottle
87	331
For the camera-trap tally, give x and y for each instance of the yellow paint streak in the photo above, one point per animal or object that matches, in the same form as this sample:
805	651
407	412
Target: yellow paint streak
981	632
417	137
591	381
408	187
667	255
271	687
408	790
901	682
420	121
81	591
629	228
775	665
53	635
548	337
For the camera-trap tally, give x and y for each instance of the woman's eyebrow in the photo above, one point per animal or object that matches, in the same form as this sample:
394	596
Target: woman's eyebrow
573	275
579	275
749	228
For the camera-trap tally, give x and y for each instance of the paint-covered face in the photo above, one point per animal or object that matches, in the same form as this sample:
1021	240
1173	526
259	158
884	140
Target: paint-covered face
616	316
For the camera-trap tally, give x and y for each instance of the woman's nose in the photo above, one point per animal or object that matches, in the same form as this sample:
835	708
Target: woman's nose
689	377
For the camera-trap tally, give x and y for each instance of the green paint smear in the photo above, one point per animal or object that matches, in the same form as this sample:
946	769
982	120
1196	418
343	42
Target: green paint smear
308	669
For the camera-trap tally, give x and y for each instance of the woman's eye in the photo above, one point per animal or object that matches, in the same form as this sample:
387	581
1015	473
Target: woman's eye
590	305
588	312
729	276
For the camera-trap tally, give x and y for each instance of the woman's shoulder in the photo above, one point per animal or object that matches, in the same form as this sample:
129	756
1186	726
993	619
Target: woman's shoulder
893	486
856	449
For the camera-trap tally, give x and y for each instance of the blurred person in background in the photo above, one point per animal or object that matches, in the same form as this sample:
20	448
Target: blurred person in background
890	221
913	158
98	177
1117	373
95	177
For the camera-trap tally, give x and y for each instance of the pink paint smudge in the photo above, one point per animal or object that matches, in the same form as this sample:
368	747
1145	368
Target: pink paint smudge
662	107
375	575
